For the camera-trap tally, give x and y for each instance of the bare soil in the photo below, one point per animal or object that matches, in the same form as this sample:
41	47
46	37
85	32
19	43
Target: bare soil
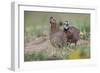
43	43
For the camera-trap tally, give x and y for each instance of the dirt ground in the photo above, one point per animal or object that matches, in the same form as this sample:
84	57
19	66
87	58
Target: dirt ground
43	43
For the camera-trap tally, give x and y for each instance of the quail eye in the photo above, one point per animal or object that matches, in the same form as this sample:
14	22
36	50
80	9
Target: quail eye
66	24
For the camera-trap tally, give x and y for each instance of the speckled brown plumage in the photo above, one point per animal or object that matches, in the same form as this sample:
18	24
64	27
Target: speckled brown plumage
57	37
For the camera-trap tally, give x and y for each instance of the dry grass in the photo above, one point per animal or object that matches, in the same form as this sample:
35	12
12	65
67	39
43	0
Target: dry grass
43	50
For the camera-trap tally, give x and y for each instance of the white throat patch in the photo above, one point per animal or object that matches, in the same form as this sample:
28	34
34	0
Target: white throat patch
66	27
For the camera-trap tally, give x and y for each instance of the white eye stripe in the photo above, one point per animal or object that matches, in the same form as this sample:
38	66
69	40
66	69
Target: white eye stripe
65	23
